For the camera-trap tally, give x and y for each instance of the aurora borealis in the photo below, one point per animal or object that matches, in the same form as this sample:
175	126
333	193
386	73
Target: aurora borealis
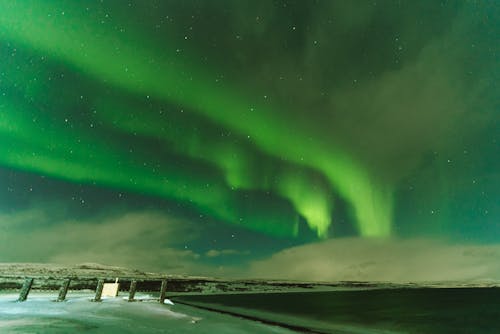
277	122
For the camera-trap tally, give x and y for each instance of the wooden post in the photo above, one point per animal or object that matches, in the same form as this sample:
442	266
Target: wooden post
25	290
131	291
98	291
163	291
64	290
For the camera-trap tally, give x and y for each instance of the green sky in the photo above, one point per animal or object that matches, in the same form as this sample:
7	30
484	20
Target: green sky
276	122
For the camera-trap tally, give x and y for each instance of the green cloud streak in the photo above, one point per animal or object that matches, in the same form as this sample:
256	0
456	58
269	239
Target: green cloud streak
39	145
244	167
122	61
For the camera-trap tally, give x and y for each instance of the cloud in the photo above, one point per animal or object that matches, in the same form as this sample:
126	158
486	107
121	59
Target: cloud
388	83
394	260
152	240
144	240
224	252
426	102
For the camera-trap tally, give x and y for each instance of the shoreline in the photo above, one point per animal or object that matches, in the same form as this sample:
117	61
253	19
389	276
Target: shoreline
300	329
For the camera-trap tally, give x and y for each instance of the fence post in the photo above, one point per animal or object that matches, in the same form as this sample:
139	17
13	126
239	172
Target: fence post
64	290
98	291
25	290
131	291
163	291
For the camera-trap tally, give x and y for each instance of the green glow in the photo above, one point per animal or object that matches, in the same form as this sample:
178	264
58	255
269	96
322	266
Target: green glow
127	63
40	146
312	201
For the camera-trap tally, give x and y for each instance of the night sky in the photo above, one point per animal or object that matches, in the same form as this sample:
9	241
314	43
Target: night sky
288	139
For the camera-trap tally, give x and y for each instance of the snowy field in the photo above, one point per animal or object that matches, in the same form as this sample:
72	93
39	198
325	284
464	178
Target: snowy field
39	314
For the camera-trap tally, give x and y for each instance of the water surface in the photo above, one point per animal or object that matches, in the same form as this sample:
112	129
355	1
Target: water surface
422	310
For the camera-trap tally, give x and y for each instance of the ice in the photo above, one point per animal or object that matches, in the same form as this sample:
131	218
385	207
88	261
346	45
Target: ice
40	314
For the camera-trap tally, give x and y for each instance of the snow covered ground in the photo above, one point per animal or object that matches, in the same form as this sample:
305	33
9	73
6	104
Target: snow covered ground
39	314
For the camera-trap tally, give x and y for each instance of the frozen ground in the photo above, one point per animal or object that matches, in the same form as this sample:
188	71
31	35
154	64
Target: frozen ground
39	314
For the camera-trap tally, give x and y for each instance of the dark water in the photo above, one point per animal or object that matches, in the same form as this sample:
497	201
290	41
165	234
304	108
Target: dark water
425	310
